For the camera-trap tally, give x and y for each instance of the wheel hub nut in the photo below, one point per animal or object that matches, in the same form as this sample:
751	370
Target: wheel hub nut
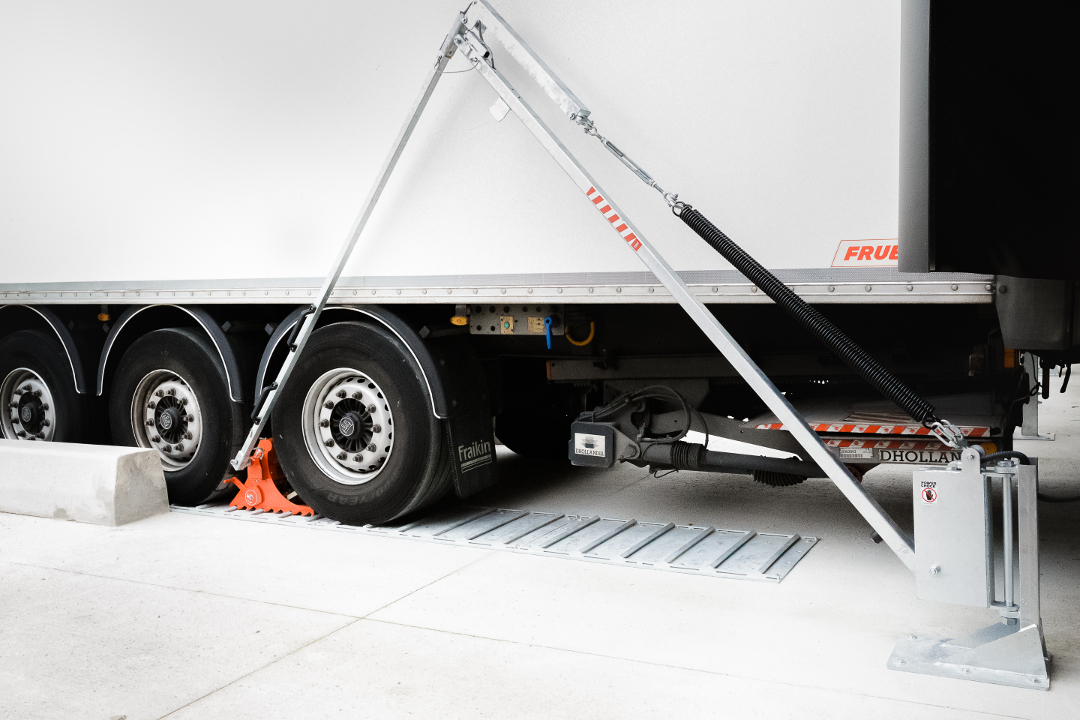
350	426
168	420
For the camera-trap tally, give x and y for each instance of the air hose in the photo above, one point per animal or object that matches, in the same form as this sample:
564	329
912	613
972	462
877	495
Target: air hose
828	334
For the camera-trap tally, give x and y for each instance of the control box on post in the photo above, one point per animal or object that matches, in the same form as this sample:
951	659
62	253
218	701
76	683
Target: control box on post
953	536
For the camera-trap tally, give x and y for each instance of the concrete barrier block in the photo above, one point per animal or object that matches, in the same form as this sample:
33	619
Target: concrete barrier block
88	483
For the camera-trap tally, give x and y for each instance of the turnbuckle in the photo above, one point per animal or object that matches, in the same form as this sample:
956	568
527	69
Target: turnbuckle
587	125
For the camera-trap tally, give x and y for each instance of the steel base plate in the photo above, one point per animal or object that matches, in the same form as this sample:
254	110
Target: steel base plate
1000	654
697	550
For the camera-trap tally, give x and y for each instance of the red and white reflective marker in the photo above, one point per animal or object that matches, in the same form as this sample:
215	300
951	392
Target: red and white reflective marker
614	218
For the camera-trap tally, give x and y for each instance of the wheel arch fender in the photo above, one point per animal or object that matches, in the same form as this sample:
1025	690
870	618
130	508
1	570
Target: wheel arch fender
47	318
114	343
384	318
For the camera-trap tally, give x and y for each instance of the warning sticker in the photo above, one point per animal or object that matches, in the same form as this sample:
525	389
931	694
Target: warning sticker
928	495
867	253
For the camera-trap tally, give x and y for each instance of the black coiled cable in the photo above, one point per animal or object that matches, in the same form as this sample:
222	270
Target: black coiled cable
828	334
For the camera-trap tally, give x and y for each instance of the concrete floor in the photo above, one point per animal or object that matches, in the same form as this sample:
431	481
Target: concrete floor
182	616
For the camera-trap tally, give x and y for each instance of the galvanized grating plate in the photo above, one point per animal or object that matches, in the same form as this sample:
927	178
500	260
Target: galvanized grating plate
698	550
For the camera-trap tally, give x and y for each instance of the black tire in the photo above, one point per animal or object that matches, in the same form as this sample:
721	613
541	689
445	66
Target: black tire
416	471
192	357
41	354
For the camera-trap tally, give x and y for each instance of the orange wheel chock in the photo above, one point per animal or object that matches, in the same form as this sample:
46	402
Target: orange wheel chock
260	491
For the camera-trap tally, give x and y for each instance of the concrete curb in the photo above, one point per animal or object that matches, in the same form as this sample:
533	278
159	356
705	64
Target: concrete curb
95	484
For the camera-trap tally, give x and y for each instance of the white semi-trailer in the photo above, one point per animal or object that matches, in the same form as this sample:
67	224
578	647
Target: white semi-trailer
175	180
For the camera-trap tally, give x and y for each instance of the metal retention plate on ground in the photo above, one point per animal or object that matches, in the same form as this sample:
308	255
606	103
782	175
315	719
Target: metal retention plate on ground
713	552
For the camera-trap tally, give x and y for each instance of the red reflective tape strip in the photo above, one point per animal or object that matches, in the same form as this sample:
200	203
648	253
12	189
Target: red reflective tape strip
597	200
606	209
620	228
631	237
591	191
636	245
613	219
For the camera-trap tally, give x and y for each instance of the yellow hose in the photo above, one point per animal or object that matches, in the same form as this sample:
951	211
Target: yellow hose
586	341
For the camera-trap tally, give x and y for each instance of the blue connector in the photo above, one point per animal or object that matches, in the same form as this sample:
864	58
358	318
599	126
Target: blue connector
547	329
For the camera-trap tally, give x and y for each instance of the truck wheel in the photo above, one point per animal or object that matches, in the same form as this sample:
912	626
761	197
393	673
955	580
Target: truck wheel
170	393
354	428
37	392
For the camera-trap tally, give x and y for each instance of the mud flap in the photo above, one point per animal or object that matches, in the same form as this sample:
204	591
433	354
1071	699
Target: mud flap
470	425
472	444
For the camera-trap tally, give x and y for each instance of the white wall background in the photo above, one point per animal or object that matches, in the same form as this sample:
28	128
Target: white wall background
176	140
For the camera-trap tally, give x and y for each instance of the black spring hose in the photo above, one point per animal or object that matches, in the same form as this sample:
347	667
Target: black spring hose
828	334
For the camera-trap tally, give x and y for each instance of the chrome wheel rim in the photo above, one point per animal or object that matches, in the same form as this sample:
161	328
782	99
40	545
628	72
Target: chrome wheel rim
165	416
29	409
348	427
